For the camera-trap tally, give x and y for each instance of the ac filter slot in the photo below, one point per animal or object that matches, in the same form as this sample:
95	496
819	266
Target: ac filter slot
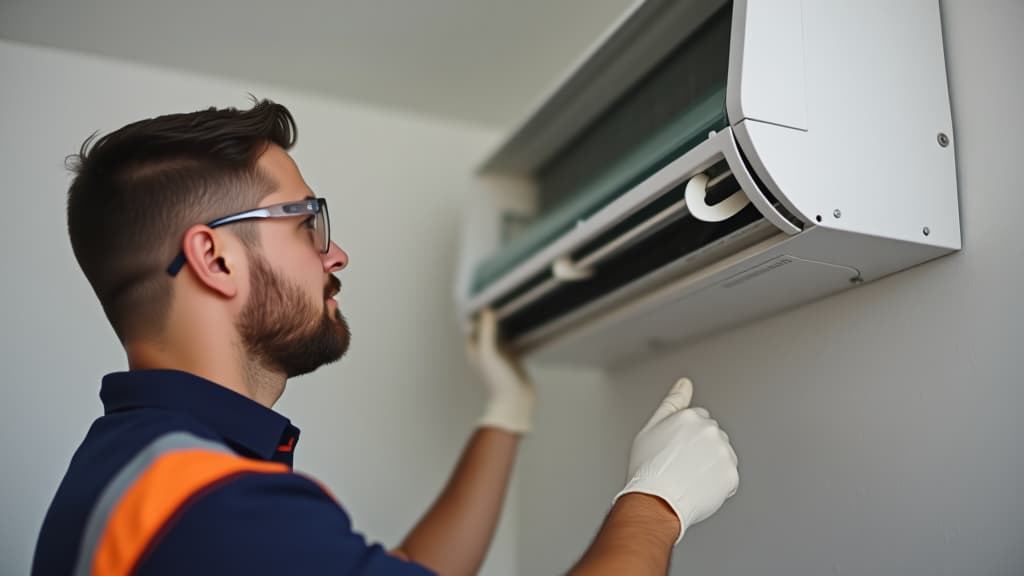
601	242
651	253
659	213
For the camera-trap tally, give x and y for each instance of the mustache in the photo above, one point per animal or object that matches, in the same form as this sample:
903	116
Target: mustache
333	286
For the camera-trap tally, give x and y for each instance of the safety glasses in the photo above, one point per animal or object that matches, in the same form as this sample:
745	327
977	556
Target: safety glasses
315	209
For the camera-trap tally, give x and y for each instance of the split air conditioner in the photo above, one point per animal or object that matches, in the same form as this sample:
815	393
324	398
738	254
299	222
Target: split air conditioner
708	163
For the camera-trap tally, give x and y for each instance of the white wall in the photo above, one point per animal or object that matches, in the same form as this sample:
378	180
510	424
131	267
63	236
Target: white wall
878	431
382	428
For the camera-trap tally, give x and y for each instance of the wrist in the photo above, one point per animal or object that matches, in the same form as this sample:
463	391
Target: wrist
636	538
512	412
649	515
501	418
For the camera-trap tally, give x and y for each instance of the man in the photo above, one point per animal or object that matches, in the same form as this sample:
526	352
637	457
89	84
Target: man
213	262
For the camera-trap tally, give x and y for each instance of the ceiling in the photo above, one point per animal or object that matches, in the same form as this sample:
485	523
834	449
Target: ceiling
479	61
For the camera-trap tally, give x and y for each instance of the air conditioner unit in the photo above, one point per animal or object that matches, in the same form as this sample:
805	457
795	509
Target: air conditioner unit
709	162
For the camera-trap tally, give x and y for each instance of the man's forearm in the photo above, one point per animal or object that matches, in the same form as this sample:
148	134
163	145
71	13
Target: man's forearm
453	537
636	538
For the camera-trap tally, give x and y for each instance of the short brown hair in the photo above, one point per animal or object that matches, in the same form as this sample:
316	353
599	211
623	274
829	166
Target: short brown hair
137	190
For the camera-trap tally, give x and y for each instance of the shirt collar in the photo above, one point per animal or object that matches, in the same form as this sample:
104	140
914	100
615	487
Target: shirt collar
245	424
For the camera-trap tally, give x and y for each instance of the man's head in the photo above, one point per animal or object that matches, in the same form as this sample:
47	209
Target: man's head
143	195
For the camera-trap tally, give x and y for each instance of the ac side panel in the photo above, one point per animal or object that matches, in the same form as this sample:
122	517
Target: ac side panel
766	63
870	160
488	213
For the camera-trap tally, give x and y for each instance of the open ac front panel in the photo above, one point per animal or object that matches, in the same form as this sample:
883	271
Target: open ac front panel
708	163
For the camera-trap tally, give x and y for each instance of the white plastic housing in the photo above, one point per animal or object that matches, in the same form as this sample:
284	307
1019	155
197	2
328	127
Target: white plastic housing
838	110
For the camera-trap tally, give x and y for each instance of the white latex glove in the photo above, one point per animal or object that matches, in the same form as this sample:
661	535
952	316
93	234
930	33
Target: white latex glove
510	406
684	458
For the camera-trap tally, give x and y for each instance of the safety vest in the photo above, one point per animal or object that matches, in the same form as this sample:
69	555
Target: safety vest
147	493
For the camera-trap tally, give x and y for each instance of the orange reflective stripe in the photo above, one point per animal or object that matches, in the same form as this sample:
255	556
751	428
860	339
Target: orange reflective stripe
154	498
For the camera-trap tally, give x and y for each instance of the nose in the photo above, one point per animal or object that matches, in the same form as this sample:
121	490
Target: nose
336	259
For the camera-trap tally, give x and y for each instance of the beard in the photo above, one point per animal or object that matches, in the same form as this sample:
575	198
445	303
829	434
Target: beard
283	331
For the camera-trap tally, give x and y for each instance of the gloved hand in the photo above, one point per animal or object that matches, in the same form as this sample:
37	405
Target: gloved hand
510	406
684	458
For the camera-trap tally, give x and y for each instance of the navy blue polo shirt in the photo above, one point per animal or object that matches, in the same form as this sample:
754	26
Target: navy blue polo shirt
261	518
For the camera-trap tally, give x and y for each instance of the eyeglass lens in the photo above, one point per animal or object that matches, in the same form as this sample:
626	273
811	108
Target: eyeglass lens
323	228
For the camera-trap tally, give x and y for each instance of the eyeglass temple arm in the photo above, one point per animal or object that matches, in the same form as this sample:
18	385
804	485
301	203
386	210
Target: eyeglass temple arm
268	212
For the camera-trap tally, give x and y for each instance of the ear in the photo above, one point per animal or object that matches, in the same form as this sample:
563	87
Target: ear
214	262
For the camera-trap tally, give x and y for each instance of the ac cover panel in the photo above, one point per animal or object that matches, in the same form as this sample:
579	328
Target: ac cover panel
709	163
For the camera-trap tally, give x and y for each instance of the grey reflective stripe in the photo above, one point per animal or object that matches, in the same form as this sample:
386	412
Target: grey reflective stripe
123	480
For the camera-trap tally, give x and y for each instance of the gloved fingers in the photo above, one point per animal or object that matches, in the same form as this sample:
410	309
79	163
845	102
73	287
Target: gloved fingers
702	412
678	398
